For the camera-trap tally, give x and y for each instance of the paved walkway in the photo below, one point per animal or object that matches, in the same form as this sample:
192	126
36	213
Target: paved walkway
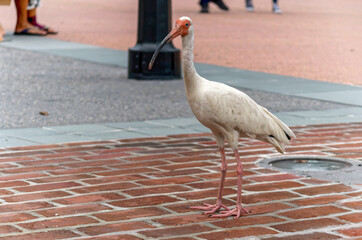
141	189
347	100
318	40
135	179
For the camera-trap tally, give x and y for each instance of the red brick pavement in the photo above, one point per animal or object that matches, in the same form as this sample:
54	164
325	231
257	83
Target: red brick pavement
141	189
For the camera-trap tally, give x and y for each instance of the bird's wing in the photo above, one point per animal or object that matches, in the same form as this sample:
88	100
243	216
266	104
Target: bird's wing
234	109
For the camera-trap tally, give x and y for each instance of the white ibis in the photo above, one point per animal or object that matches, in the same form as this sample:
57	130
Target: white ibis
227	112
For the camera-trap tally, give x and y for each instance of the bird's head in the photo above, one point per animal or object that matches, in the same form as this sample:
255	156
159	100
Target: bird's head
182	28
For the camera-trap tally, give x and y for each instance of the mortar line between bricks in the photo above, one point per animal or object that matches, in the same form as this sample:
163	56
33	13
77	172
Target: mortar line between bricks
151	218
154	194
73	228
270	226
113	207
197	238
127	196
27	181
32	231
169	211
350	210
40	217
299	180
216	230
13	224
45	198
51	201
154	223
79	233
352	199
332	215
335	217
94	172
211	225
324	194
138	235
85	236
304	232
182	235
185	201
202	179
75	194
133	232
330	229
179	198
193	236
345	223
314	204
160	217
81	183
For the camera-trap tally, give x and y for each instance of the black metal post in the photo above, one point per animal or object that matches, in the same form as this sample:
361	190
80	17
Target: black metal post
154	23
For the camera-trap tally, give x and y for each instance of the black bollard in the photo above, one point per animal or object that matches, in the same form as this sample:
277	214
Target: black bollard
154	23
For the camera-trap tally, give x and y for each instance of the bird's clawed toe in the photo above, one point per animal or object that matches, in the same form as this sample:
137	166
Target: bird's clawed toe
235	212
210	208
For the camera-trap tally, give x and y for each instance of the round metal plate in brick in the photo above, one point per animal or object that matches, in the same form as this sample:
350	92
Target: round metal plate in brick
326	168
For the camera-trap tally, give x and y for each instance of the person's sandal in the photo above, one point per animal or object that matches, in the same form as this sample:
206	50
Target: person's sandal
27	32
33	21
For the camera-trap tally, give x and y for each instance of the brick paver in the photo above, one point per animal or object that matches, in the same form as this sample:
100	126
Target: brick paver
141	189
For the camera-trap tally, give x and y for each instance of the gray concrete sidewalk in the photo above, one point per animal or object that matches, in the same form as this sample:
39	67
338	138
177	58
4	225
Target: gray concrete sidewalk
86	93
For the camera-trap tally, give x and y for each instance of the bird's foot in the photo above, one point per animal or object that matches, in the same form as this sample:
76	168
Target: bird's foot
235	212
210	208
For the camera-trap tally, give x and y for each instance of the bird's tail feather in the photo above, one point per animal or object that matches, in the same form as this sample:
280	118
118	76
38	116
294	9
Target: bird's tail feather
278	145
281	136
289	133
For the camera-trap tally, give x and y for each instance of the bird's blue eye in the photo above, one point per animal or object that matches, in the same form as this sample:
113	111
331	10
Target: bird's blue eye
187	24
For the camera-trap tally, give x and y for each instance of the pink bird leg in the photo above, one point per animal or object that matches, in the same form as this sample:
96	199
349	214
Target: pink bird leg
212	208
239	209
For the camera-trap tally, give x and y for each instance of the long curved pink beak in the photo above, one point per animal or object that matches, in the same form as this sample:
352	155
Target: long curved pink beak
172	35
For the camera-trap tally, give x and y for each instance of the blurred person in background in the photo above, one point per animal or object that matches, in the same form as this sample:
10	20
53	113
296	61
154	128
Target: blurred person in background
32	6
205	5
250	7
26	23
2	32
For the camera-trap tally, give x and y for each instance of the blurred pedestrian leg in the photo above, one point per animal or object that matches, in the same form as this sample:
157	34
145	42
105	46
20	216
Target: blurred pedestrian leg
2	32
23	27
276	8
205	5
249	7
32	17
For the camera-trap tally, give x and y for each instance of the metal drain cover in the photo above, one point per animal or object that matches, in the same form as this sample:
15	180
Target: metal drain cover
326	168
307	164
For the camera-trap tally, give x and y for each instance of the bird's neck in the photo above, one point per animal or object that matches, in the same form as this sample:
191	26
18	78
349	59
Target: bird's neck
190	74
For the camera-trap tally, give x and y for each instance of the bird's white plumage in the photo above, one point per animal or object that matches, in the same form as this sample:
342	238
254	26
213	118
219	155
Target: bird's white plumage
228	112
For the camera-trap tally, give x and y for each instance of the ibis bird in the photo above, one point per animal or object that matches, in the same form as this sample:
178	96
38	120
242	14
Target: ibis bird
227	112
